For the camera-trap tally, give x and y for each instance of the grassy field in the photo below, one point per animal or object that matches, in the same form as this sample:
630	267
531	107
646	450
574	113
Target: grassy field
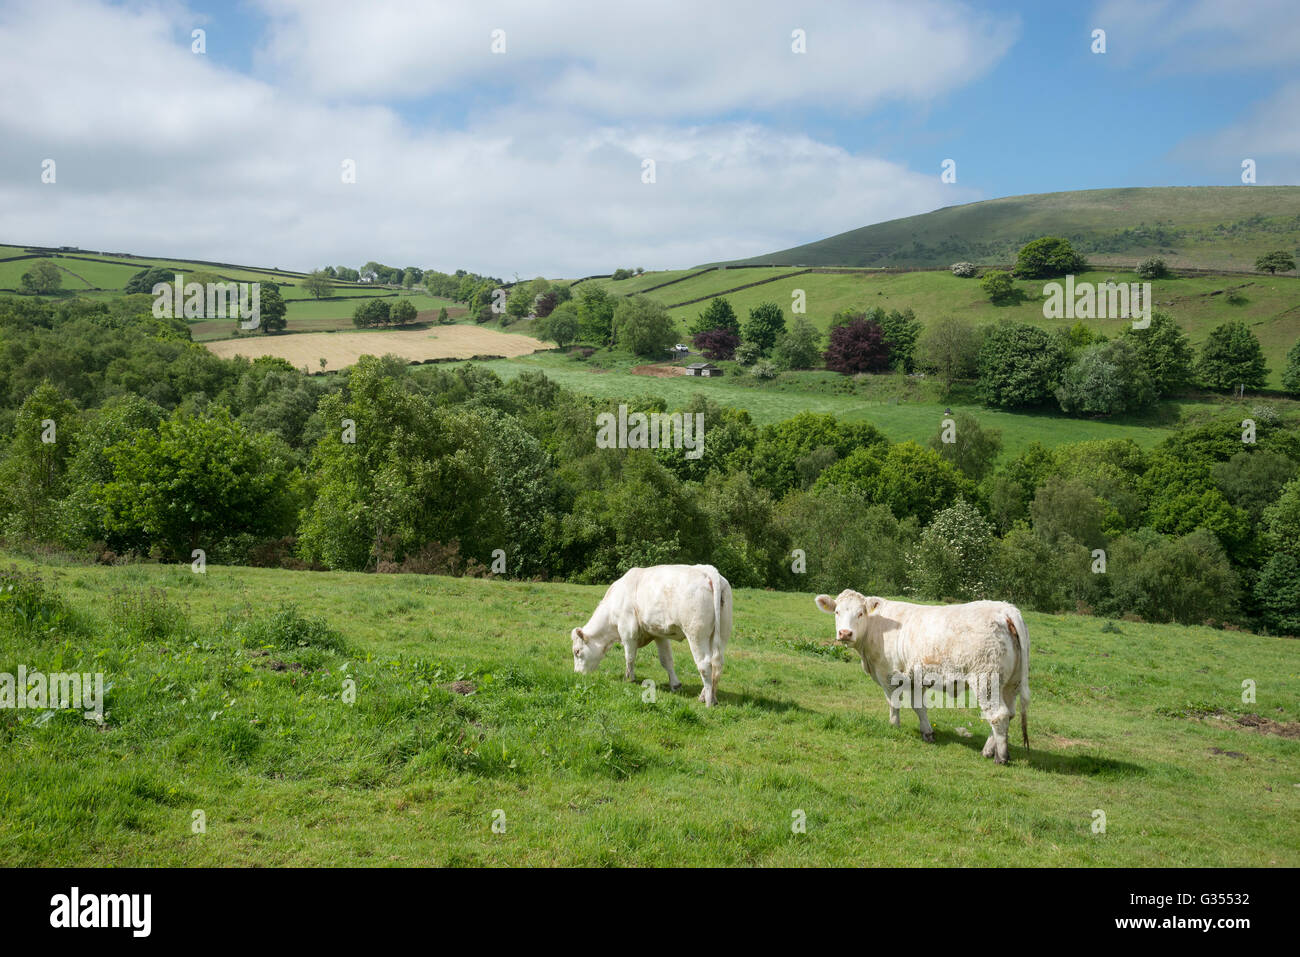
900	407
224	700
1221	227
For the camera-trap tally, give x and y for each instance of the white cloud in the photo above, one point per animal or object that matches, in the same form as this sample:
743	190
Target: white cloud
669	57
1202	36
160	151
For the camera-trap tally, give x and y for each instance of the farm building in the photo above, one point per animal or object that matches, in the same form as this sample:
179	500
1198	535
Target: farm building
703	368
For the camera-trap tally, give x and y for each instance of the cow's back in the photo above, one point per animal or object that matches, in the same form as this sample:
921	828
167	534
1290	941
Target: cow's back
671	599
973	638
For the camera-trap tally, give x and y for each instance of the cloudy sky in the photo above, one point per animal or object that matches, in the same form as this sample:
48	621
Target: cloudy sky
532	160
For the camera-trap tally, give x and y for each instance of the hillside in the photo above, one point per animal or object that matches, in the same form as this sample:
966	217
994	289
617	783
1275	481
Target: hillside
467	711
104	275
1216	227
1270	305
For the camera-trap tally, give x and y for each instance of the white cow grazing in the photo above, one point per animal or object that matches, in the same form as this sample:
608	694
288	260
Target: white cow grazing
983	643
657	604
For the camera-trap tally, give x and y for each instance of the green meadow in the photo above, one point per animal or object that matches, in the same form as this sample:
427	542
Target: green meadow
327	718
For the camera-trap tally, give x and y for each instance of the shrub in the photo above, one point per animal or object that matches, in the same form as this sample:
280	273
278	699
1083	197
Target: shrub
146	613
288	628
1152	268
997	285
965	270
954	557
28	605
764	370
747	353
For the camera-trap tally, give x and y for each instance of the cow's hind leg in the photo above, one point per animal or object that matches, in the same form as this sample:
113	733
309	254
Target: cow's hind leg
700	651
927	732
666	659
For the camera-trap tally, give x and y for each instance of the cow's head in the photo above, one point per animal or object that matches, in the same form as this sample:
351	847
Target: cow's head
586	653
851	611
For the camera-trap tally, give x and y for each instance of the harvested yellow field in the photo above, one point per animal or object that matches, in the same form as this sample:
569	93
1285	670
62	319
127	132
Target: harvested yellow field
340	349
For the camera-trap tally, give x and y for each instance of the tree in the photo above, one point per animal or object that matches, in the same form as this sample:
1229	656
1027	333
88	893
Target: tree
901	330
847	539
272	309
1291	377
317	284
964	270
643	326
1231	356
950	347
766	324
1019	366
718	314
1048	256
858	347
194	483
42	279
371	313
146	279
997	285
910	479
717	344
1066	509
560	326
443	318
33	471
1279	260
973	450
1107	378
595	315
800	347
402	312
1165	352
954	558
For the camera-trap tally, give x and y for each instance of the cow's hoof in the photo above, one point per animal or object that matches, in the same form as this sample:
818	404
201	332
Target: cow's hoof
928	737
999	759
676	687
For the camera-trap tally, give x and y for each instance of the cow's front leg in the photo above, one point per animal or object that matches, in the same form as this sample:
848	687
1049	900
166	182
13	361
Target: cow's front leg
666	659
999	738
894	714
927	732
629	657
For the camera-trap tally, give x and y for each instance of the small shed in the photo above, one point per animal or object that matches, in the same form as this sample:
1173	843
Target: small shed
703	368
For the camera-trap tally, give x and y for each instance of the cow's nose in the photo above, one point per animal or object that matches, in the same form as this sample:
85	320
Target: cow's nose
845	634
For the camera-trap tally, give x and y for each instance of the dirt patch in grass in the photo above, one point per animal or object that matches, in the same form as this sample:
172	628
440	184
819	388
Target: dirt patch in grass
1284	729
660	372
462	687
341	349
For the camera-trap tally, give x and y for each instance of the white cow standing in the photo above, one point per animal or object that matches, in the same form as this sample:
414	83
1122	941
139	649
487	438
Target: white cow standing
662	603
985	643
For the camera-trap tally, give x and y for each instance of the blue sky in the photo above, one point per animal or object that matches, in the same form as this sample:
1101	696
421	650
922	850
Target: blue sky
530	160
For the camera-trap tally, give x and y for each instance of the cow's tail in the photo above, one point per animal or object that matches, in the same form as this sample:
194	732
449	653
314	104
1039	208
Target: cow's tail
1017	622
715	582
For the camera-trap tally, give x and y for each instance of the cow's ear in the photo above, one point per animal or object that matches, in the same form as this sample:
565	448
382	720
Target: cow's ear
578	632
826	603
872	605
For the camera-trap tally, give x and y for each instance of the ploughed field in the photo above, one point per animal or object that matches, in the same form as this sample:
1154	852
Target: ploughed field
228	694
340	349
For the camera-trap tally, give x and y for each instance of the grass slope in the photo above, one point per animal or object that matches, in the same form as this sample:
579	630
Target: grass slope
218	704
1224	227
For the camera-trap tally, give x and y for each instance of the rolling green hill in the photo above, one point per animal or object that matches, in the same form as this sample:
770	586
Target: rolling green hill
1216	227
97	275
466	712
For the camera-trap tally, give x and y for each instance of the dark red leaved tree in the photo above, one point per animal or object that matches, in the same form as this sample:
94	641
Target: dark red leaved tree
858	346
717	344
